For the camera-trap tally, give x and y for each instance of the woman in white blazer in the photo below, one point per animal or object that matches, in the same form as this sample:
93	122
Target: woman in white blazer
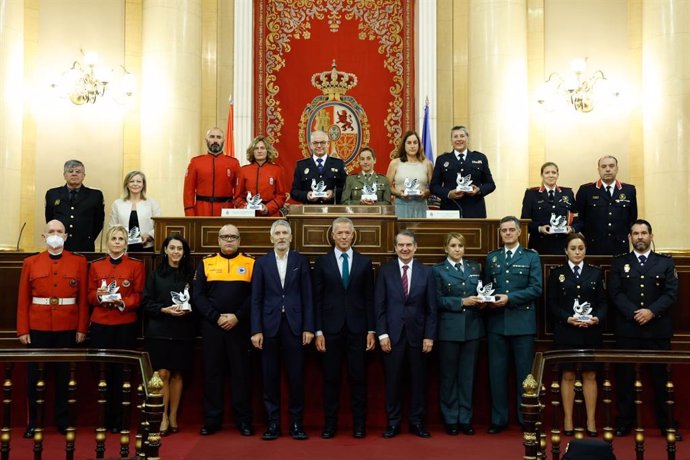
134	211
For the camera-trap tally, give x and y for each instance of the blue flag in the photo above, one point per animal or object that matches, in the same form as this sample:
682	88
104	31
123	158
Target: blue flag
426	135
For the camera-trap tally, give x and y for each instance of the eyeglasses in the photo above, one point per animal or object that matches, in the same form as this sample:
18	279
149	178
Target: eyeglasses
229	237
319	142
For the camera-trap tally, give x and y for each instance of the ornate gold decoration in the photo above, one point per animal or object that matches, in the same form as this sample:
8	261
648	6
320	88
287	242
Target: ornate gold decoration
333	83
529	385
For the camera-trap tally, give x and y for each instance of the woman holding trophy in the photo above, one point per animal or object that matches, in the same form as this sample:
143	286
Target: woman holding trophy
409	175
577	302
260	184
134	212
170	327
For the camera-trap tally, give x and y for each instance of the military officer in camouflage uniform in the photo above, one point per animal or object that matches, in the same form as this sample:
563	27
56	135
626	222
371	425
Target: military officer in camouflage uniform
354	185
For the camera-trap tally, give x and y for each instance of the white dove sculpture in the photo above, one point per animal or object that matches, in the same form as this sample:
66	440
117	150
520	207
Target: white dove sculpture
485	292
181	299
582	310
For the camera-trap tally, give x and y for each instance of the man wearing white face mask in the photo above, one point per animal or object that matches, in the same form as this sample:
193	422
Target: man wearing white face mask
52	312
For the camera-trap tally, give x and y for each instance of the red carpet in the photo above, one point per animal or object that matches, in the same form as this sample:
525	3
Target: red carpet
188	445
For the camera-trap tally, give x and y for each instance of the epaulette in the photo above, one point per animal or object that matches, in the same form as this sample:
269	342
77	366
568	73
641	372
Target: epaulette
534	188
496	250
440	264
531	250
663	254
617	256
134	259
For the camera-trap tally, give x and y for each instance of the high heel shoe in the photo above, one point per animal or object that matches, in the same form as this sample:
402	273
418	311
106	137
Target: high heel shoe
592	434
173	429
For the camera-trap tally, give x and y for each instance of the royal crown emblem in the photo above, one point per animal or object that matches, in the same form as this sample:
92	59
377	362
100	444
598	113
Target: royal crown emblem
340	116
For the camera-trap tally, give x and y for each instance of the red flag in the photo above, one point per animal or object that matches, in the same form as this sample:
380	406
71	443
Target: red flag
230	131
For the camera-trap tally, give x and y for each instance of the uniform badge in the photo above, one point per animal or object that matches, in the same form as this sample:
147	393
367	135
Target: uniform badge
126	283
270	180
57	202
335	170
565	199
446	164
622	196
73	282
306	170
626	268
241	270
561	277
494	259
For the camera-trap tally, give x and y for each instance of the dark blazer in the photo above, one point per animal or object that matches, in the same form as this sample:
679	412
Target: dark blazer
338	308
537	206
83	219
653	285
417	313
444	180
334	176
455	322
563	288
605	220
521	280
268	296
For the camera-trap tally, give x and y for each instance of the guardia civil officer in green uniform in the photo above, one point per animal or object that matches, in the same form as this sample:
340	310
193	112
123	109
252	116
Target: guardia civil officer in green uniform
511	322
354	185
460	326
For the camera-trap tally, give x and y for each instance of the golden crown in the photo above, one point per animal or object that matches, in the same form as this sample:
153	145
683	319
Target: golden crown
333	83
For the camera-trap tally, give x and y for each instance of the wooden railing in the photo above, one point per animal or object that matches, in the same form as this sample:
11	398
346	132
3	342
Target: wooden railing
150	399
535	396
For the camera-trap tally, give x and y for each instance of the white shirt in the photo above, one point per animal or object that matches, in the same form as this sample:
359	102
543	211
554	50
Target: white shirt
513	251
646	254
281	262
339	259
323	158
459	155
452	262
572	266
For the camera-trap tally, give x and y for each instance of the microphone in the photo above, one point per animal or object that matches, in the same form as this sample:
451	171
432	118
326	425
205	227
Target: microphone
21	230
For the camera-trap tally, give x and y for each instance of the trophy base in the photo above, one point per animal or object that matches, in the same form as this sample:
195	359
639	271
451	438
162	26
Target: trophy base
185	307
557	230
487	298
583	318
135	241
318	194
463	188
369	198
111	298
254	207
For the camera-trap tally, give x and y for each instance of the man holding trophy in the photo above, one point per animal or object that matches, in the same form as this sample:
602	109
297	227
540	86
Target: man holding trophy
321	178
368	187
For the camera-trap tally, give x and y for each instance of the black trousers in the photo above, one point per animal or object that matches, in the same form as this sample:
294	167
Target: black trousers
117	337
50	339
353	348
225	350
625	382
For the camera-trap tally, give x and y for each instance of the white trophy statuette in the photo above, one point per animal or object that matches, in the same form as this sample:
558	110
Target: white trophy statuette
412	187
253	202
318	190
582	311
181	299
485	292
559	224
134	236
369	192
464	183
112	295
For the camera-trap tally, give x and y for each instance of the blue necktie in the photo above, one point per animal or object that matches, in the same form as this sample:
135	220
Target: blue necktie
643	259
346	270
319	165
576	269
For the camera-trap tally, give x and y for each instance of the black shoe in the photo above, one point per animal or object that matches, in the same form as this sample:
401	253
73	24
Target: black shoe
391	431
245	429
359	431
495	429
208	430
622	431
452	429
420	430
466	428
272	432
568	432
29	432
592	434
297	432
328	432
114	429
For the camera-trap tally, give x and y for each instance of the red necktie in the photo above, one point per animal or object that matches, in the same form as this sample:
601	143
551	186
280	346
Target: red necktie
405	283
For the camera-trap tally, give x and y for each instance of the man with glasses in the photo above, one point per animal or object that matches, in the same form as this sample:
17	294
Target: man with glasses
221	293
320	167
78	207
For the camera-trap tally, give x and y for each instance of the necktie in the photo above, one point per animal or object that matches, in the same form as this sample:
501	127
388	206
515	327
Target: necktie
346	270
608	189
458	267
462	158
509	255
576	269
405	283
643	259
550	195
319	165
72	196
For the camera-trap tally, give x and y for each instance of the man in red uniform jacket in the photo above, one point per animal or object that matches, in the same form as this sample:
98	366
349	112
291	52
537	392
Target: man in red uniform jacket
209	184
52	312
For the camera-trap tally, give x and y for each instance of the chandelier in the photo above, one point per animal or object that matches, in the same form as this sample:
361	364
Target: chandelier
575	89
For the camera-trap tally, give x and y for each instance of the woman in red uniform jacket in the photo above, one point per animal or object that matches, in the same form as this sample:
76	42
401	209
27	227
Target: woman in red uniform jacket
113	317
261	176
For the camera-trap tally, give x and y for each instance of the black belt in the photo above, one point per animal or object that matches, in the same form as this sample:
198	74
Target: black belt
214	199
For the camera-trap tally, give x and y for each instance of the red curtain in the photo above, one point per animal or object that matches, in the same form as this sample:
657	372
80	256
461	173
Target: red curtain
369	101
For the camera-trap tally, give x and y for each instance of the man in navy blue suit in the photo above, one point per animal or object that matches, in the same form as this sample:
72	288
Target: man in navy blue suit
405	309
319	167
282	322
344	303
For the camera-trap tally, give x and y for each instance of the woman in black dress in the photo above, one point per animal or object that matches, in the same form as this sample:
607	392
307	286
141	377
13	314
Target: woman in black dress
576	280
170	328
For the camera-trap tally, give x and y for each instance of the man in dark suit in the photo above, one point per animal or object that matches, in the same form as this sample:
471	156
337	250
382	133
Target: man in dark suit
606	209
515	273
405	308
320	167
282	322
344	304
643	286
464	162
79	208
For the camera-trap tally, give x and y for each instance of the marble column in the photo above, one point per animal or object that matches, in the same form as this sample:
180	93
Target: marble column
243	91
11	115
426	70
666	119
498	103
170	97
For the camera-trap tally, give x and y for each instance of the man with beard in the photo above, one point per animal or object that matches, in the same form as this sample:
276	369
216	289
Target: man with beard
209	184
643	285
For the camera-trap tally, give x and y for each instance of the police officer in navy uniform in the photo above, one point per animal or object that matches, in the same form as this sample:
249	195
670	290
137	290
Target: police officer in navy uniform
465	162
78	207
643	286
319	167
539	203
511	321
606	209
